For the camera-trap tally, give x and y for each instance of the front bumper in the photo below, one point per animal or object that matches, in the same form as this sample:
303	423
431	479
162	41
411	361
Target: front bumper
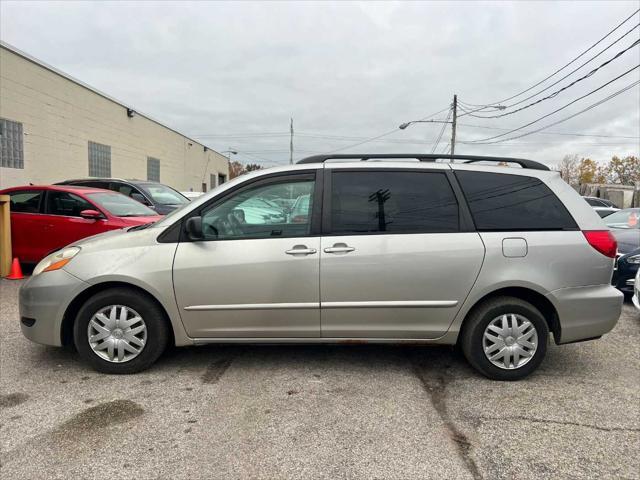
44	298
586	312
624	273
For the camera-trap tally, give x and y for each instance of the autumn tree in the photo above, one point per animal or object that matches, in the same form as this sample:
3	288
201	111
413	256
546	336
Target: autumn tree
625	171
235	169
589	171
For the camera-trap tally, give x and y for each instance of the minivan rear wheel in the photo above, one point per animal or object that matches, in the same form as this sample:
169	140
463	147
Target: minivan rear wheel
120	331
505	338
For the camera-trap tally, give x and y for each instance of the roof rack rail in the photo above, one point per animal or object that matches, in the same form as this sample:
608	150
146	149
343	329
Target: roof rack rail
425	157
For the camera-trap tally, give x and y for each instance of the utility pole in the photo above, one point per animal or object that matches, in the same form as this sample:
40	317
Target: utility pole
291	142
453	124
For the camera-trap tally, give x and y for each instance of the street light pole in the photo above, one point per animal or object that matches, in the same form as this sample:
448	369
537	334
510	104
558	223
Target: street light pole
291	142
453	124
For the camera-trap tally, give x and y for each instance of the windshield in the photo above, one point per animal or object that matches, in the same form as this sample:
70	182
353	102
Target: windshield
164	195
120	205
628	218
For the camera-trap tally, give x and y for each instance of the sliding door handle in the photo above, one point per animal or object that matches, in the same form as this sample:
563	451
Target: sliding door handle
301	250
339	248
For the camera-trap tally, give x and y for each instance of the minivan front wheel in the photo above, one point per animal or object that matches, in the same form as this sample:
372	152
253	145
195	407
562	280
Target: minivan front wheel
505	338
120	331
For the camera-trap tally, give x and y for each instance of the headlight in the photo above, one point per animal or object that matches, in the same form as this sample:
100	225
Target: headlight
56	260
635	259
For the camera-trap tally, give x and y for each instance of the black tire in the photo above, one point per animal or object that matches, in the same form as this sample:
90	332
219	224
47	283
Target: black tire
471	337
154	318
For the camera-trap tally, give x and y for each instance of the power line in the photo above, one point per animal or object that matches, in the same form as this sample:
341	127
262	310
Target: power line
566	65
256	159
557	92
553	133
243	135
347	138
558	109
384	134
619	39
520	144
531	132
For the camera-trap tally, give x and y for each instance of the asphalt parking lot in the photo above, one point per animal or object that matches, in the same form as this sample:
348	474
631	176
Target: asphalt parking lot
319	412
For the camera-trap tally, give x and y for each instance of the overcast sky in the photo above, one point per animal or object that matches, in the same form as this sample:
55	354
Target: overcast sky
232	74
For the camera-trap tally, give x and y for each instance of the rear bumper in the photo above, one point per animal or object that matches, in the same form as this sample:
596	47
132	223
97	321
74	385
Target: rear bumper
586	312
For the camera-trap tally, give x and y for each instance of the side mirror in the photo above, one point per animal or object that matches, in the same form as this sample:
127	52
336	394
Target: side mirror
91	214
194	228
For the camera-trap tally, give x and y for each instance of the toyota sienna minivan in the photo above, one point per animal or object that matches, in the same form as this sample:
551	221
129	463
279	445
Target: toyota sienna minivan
393	248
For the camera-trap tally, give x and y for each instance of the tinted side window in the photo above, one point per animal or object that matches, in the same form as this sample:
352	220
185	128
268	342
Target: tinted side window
104	185
513	202
25	202
392	202
67	204
130	191
122	188
594	203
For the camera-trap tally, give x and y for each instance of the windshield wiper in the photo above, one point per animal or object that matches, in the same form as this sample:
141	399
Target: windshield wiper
140	227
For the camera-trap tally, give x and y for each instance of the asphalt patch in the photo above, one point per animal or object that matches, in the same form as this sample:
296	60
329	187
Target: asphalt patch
216	370
100	416
12	399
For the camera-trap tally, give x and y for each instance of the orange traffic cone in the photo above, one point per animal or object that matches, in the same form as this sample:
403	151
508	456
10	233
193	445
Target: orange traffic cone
16	271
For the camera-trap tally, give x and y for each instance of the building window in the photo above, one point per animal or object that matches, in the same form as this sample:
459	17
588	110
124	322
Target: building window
11	147
221	178
99	160
212	180
153	169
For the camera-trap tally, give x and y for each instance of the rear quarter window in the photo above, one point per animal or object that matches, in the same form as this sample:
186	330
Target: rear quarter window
26	201
513	203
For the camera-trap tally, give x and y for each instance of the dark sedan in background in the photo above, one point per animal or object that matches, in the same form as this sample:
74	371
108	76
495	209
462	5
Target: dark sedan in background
161	198
625	226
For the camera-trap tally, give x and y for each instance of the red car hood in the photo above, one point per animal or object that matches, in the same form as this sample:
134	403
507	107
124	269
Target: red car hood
140	220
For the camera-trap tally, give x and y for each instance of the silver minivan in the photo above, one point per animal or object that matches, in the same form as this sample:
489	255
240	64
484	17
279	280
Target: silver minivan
393	248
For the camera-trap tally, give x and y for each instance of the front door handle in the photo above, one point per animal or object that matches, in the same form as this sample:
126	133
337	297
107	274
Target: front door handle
339	248
301	250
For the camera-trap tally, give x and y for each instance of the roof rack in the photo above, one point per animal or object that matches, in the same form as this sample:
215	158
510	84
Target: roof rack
425	157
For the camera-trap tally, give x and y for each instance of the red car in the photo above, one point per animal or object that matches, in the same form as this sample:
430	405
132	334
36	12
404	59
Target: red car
47	218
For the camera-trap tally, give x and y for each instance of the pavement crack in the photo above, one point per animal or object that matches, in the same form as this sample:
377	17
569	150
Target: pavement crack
436	386
558	422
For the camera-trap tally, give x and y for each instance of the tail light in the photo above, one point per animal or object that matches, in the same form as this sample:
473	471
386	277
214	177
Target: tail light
603	241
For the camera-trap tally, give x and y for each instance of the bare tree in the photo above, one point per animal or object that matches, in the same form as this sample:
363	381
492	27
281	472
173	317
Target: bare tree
569	169
235	169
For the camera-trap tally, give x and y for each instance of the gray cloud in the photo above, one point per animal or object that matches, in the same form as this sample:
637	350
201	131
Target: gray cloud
340	69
